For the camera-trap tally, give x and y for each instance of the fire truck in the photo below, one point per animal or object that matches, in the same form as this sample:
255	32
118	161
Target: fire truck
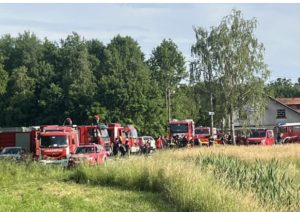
127	134
261	136
57	143
96	134
203	135
181	133
289	133
25	137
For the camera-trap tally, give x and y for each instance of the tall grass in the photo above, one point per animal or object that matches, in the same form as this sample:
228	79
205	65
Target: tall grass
267	179
180	183
36	187
206	179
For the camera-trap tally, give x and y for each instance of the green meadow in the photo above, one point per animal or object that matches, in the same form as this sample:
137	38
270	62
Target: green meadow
219	178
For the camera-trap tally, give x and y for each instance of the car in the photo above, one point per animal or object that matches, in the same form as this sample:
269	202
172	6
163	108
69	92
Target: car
17	153
91	154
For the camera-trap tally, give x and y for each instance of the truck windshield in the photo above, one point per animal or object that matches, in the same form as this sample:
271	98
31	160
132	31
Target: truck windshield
257	134
104	133
133	133
201	131
178	128
54	141
84	150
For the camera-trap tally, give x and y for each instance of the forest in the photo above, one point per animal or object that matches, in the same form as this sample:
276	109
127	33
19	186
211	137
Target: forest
43	81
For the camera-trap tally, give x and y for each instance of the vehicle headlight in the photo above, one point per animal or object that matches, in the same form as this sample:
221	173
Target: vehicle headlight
263	141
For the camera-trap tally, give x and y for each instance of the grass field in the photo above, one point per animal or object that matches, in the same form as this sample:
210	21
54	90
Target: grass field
221	178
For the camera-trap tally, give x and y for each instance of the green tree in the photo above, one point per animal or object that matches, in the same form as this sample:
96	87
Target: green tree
3	78
78	81
167	68
19	98
51	103
126	89
234	57
282	87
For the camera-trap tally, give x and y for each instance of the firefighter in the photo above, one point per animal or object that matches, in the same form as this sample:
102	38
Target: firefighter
210	140
68	121
122	146
278	138
158	143
115	146
147	147
96	120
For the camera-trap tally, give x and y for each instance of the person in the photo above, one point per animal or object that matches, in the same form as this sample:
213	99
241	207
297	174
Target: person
96	120
210	140
68	121
115	146
223	140
122	145
278	138
229	141
127	147
147	147
158	143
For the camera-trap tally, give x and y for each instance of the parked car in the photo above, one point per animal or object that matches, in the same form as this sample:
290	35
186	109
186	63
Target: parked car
17	153
91	154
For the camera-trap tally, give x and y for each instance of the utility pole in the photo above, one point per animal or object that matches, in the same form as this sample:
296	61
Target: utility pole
211	115
169	104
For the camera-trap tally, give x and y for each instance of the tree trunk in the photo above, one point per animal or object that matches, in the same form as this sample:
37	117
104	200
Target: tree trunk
232	126
212	116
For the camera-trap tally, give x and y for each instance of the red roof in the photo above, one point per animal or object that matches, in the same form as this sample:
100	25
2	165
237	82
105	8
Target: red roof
289	101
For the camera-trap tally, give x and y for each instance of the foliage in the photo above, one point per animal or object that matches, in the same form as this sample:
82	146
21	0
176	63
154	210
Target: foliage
283	87
230	57
3	78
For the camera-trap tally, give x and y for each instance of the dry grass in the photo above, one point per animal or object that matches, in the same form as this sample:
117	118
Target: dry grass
280	152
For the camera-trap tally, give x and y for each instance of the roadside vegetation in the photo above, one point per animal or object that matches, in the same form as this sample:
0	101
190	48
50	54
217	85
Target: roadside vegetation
199	179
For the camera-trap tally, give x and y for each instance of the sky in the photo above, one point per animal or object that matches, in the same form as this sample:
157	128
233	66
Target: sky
278	25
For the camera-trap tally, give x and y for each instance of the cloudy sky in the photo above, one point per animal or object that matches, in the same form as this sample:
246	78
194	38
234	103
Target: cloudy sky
149	24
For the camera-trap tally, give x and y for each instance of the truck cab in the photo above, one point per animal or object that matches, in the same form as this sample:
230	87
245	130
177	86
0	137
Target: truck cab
203	134
96	134
181	132
127	134
261	137
57	143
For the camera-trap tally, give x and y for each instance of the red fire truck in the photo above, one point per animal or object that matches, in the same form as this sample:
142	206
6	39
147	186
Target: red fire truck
96	134
57	143
289	133
203	134
261	136
127	134
181	132
25	137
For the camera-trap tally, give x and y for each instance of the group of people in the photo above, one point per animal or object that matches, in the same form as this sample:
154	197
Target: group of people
121	146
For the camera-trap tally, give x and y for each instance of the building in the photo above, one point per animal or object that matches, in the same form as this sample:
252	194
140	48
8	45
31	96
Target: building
278	111
291	102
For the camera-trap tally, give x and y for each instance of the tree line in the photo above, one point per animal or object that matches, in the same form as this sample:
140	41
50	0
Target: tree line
43	82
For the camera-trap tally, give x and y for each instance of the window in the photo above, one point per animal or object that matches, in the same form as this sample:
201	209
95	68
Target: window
281	114
296	128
